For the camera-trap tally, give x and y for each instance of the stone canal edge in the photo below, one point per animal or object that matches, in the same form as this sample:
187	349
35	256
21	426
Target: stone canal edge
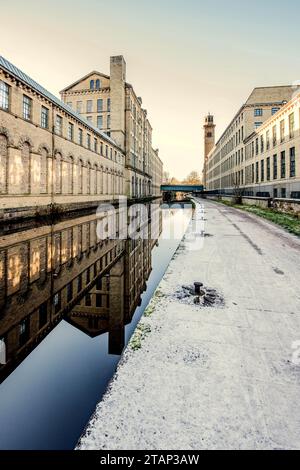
208	364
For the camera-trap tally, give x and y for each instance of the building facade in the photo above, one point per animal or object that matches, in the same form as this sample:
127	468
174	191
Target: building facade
48	153
272	165
225	164
156	170
111	104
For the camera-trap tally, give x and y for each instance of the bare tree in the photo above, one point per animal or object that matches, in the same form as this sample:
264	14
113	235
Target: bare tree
193	178
237	190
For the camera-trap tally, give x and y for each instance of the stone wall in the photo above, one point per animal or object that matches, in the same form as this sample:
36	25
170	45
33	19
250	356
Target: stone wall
288	206
291	206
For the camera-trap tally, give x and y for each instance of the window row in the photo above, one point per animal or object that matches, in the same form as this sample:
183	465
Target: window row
273	168
90	106
88	141
27	173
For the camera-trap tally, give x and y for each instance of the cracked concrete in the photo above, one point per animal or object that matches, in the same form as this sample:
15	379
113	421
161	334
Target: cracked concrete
218	378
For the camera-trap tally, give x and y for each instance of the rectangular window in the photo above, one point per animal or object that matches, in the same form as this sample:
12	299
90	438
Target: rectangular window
44	117
268	169
79	107
24	331
43	317
267	140
69	292
80	136
262	144
88	141
283	193
274	133
57	302
292	162
100	122
274	111
58	125
79	283
257	124
257	173
98	300
275	167
258	112
70	131
101	149
4	95
282	164
106	151
108	121
108	104
275	193
282	131
256	146
291	125
262	170
95	145
99	105
27	108
89	106
88	300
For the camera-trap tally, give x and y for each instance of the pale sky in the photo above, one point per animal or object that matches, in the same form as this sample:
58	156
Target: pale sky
184	58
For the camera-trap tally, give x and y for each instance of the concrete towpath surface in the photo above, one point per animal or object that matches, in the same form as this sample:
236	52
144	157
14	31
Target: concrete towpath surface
222	377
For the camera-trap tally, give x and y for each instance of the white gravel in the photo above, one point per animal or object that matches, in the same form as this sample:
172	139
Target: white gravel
214	378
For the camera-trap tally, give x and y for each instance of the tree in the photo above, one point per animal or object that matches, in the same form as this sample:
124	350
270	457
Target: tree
193	178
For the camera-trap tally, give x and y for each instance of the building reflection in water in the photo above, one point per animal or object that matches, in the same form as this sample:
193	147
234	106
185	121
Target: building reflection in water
64	271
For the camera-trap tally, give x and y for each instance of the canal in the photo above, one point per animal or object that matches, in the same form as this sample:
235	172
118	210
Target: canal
69	304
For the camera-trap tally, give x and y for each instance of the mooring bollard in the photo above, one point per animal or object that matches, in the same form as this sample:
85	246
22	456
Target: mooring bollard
198	286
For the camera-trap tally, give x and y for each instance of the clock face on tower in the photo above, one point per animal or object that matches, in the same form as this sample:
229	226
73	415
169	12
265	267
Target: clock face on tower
209	134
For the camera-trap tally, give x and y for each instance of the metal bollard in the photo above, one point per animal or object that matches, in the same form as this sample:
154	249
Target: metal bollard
198	286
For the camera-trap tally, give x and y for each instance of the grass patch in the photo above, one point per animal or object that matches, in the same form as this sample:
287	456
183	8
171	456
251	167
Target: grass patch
289	222
141	332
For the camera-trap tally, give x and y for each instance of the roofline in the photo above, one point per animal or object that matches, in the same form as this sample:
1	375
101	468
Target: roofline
84	78
26	80
257	132
246	104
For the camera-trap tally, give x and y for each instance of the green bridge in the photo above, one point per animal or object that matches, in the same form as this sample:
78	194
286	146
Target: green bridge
182	188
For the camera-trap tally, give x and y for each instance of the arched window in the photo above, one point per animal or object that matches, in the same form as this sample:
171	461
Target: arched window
88	177
44	171
100	180
70	175
92	84
98	85
95	179
105	186
58	173
80	176
132	186
25	158
3	163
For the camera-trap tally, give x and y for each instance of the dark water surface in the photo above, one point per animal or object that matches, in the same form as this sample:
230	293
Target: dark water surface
69	305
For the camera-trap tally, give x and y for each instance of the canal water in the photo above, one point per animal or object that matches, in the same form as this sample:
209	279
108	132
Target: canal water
69	304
